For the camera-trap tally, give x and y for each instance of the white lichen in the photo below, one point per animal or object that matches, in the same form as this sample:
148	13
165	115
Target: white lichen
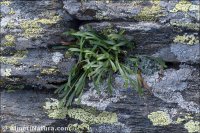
57	57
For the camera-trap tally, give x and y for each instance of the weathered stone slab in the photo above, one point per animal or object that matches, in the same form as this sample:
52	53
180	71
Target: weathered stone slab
162	11
23	109
32	24
35	67
28	30
157	39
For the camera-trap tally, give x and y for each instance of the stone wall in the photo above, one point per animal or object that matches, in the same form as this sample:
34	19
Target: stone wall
161	28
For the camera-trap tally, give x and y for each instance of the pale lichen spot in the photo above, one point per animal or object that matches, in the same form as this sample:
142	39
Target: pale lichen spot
188	25
49	70
14	60
6	72
86	115
160	118
179	120
10	38
192	126
78	127
183	6
150	13
32	28
7	3
187	39
57	57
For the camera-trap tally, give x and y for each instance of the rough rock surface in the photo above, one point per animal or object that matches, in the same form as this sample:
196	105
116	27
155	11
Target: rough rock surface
164	28
29	29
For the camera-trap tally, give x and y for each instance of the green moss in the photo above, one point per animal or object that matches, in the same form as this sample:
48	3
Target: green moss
149	13
160	118
49	71
183	6
7	3
192	126
32	28
186	39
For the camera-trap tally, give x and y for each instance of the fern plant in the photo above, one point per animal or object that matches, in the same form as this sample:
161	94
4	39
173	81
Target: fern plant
99	56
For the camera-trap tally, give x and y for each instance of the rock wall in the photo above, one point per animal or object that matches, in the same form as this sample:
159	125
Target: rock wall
161	28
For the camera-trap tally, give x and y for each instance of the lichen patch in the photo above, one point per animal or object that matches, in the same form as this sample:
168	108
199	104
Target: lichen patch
183	6
192	126
6	72
187	39
160	118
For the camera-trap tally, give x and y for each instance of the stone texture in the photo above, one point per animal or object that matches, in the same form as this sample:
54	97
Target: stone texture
165	28
23	108
29	30
156	39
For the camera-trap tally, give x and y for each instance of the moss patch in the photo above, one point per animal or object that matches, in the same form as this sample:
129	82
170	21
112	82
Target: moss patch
192	126
187	39
160	118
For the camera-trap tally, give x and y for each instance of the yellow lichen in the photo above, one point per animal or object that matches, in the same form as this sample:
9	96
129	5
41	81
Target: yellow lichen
183	6
6	72
79	128
160	118
10	25
87	116
7	3
192	26
149	13
14	60
32	28
186	39
90	118
10	39
194	8
179	120
9	60
49	71
192	126
11	11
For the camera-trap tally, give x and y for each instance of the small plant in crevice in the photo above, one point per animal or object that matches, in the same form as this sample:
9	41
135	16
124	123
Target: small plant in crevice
99	56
